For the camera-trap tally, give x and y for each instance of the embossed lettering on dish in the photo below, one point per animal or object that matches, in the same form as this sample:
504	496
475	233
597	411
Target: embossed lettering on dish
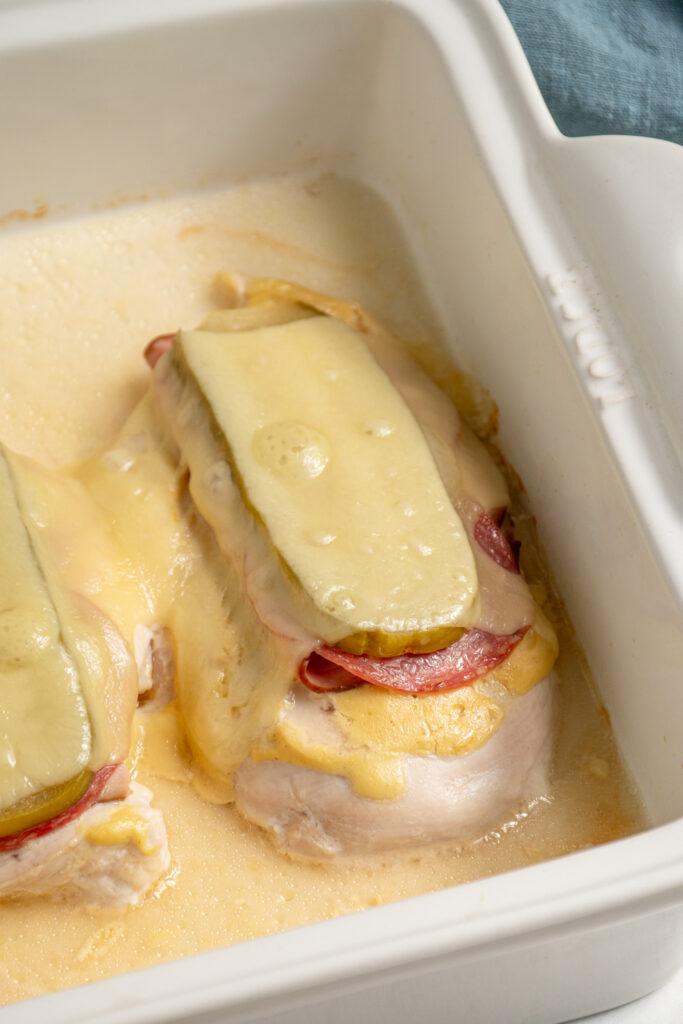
604	375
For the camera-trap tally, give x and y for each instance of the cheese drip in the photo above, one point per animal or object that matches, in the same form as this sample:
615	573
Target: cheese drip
337	468
124	825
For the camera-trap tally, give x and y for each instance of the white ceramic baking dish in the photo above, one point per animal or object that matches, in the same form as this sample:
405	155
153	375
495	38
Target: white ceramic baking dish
558	264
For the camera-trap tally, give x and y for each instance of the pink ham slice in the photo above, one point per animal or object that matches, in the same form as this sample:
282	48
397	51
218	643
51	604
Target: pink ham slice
156	348
328	669
494	543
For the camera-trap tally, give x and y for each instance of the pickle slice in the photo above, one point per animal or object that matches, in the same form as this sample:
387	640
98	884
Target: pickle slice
50	802
328	458
45	733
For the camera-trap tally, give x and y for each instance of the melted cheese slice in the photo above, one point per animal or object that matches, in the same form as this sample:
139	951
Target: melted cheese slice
45	734
365	734
333	462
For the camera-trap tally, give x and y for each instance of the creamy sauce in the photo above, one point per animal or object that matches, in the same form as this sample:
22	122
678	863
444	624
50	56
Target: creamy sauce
79	303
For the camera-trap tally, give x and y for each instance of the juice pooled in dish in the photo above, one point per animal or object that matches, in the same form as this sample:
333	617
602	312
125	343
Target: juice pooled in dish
325	688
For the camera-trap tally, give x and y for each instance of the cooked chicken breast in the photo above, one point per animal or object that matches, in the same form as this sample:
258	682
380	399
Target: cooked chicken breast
70	824
313	814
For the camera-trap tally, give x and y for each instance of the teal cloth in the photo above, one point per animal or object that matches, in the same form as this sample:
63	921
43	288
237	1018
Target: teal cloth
606	67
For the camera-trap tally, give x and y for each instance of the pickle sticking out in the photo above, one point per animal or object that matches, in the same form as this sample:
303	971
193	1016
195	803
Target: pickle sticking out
45	733
328	457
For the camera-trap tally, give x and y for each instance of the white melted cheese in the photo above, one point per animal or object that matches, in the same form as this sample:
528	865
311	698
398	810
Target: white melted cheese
337	467
79	302
45	736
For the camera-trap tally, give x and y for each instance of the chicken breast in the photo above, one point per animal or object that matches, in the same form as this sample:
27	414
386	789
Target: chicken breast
110	855
317	815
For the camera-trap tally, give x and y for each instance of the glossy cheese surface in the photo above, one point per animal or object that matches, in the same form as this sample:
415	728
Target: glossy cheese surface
335	465
74	550
45	733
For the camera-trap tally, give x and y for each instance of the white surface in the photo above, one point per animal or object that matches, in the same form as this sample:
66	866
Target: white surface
522	237
665	1006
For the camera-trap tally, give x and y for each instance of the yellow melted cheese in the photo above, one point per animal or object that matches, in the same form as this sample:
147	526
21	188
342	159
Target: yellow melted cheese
530	661
444	723
124	825
376	774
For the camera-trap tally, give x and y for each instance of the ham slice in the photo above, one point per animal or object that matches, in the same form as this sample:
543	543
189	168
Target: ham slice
470	657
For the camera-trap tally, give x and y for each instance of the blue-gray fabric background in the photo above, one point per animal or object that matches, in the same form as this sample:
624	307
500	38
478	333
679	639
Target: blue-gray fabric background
606	66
